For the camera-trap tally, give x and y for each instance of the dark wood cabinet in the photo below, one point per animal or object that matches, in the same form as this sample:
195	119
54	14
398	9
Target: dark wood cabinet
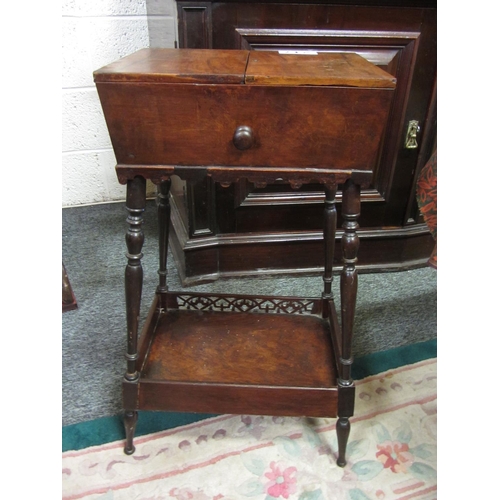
248	229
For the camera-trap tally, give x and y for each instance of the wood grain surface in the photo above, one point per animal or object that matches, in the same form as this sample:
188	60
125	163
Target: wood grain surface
245	348
321	68
179	124
177	66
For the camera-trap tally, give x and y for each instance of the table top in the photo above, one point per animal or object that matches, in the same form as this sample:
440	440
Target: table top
212	66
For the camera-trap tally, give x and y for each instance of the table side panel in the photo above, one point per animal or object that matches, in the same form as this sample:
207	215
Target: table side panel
237	399
313	127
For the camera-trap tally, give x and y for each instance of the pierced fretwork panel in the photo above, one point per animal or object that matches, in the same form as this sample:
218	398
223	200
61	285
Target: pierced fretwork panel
246	304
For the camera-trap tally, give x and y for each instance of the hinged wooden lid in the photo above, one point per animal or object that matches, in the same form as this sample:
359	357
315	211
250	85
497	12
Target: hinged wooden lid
245	67
315	68
177	66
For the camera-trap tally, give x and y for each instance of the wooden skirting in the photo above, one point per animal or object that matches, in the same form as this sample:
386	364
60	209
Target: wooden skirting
205	259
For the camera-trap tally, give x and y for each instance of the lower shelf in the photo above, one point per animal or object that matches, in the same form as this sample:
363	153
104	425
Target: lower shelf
227	354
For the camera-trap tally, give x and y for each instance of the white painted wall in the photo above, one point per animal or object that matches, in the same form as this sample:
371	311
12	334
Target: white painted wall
96	33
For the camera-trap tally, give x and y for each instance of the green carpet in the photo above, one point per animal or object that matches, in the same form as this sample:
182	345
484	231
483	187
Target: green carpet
109	429
393	358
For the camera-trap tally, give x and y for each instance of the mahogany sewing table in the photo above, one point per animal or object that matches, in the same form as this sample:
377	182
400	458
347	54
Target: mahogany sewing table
264	116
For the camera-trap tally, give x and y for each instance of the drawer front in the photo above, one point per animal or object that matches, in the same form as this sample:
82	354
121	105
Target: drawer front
238	125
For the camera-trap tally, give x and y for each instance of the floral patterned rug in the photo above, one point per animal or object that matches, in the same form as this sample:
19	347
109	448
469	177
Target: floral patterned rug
391	453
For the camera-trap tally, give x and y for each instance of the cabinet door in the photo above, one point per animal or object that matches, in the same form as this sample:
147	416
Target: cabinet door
397	35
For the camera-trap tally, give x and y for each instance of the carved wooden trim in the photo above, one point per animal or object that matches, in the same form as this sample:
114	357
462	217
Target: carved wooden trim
260	176
155	173
243	303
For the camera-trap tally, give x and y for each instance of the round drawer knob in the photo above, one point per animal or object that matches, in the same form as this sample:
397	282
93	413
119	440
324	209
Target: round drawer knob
243	137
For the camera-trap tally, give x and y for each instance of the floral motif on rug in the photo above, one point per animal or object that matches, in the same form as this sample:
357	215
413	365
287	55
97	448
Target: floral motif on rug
391	453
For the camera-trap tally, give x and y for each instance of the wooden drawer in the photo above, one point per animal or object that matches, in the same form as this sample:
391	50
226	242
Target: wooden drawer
291	111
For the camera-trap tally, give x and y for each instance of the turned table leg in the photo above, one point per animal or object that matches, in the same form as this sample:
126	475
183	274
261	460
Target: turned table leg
130	421
163	231
136	203
348	291
329	229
